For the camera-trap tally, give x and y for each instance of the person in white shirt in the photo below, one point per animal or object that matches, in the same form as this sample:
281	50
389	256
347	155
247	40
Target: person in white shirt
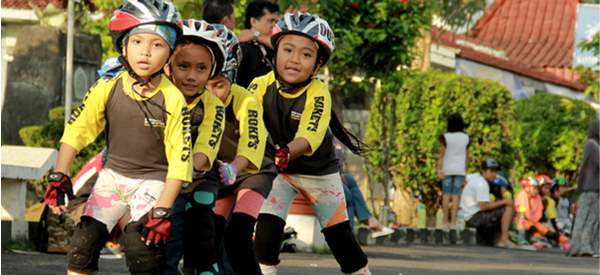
453	164
479	212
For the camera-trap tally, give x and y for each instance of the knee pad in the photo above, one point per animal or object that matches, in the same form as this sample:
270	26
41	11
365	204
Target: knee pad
240	246
269	234
199	237
345	248
88	239
141	259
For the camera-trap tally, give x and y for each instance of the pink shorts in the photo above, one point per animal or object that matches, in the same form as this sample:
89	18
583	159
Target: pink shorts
114	194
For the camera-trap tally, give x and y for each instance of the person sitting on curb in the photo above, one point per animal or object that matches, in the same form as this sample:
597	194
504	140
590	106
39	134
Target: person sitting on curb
479	212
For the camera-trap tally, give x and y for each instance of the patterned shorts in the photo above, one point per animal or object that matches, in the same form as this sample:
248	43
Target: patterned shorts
114	194
324	193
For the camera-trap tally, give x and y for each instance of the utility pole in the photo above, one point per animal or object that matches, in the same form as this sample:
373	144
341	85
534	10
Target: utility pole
69	65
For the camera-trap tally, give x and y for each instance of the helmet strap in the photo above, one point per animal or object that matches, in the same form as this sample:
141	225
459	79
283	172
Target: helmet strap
278	78
132	73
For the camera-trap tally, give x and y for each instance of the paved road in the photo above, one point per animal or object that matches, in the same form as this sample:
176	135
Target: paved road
397	260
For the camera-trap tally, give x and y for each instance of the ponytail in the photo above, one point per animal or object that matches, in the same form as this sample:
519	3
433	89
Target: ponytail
353	143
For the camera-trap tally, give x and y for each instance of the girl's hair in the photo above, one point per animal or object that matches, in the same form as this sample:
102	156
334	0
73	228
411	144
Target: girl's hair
455	123
343	135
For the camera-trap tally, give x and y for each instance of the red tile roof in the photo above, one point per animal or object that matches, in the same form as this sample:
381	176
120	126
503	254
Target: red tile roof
24	4
448	39
534	34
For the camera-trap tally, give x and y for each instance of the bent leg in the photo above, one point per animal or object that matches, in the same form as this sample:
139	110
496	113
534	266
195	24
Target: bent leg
174	244
141	259
358	200
199	232
88	239
505	222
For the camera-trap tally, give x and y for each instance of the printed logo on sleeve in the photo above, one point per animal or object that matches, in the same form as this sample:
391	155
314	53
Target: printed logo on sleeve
313	125
253	129
187	134
79	110
217	128
252	87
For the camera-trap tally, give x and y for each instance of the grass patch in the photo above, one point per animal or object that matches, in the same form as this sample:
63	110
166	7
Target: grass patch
321	250
21	244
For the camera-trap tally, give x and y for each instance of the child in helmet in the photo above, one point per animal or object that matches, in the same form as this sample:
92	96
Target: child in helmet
530	210
249	151
298	115
198	57
545	182
563	205
148	139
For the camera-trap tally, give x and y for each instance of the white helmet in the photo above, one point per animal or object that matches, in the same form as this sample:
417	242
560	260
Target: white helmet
309	25
202	32
233	52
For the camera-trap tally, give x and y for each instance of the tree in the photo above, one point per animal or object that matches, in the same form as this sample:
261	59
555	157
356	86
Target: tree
553	131
590	76
375	39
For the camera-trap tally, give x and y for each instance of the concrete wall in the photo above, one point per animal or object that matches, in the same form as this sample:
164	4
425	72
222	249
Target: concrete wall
35	81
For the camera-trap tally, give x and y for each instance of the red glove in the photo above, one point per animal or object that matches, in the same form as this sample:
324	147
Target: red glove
60	184
155	225
283	158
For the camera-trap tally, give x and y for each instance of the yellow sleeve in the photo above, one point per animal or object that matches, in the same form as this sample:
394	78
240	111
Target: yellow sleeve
209	141
315	117
508	195
89	120
551	208
253	133
178	136
258	87
492	198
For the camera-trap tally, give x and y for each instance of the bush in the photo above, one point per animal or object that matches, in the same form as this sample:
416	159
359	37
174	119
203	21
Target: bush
553	131
422	103
48	135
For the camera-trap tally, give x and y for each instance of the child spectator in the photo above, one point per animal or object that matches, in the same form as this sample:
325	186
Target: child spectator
551	212
248	150
148	139
453	164
198	57
563	205
297	113
530	210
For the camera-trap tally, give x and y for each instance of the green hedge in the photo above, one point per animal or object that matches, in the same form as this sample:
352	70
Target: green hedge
48	135
553	131
423	100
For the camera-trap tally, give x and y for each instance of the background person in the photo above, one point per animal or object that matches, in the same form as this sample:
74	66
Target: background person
585	241
479	212
219	12
453	165
255	41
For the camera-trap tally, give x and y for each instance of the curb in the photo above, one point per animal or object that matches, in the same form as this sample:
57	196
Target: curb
431	236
